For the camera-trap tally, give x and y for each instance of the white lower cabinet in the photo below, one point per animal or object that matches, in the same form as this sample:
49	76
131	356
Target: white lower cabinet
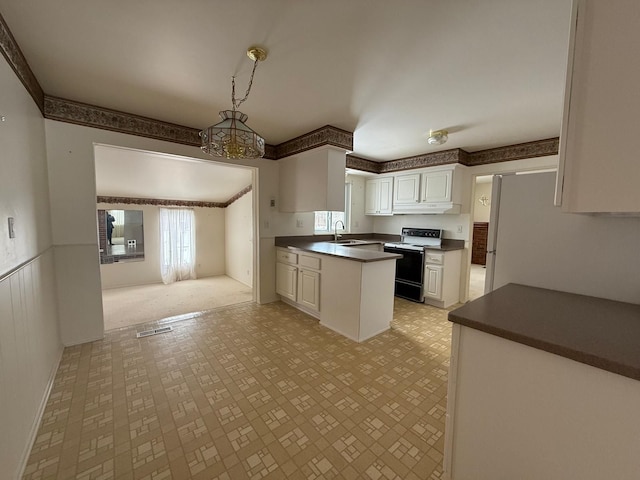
298	280
286	280
309	289
442	278
433	281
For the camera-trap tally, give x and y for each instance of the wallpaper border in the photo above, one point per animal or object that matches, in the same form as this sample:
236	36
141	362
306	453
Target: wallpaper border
172	203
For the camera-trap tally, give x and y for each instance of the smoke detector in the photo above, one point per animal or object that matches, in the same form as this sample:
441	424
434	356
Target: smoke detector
437	137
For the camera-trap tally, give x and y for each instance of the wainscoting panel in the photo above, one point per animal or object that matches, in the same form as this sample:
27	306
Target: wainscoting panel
30	350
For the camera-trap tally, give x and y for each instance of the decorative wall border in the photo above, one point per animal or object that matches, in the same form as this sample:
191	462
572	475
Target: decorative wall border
443	157
173	203
106	119
326	135
238	195
11	51
78	113
362	164
539	148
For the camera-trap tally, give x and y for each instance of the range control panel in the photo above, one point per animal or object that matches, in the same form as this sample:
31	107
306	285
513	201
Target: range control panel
422	232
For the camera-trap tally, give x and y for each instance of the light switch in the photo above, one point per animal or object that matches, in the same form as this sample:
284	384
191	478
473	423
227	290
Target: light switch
12	233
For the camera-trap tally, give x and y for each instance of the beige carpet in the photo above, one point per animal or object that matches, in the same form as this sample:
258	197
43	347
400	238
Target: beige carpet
127	306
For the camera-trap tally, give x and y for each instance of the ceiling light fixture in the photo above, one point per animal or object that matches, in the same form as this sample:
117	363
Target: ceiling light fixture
232	138
437	137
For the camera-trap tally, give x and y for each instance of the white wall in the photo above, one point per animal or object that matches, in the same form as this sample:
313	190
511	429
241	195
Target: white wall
481	212
72	184
210	246
210	241
360	223
239	240
30	344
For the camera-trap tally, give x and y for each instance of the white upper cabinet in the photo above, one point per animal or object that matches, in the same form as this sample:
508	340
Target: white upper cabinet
379	196
442	189
313	180
406	189
436	186
599	169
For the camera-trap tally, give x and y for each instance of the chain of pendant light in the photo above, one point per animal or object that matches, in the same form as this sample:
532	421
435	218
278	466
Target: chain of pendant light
236	103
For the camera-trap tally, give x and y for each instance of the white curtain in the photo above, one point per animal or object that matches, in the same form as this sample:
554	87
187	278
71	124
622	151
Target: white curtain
177	244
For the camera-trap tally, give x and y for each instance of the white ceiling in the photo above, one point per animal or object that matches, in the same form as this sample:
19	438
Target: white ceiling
490	71
123	172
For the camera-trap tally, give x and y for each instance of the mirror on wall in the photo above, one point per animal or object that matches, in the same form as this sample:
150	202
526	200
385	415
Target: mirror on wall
121	236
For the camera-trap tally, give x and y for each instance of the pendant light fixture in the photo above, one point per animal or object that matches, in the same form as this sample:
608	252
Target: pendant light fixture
232	138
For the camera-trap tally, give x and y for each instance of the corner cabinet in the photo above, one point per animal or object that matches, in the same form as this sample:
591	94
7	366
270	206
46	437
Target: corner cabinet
598	168
298	280
379	196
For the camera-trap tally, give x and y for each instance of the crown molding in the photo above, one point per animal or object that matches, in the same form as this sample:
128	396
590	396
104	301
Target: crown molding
12	53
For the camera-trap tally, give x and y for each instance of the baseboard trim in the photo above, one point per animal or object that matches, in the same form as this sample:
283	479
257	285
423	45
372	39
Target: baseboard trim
38	418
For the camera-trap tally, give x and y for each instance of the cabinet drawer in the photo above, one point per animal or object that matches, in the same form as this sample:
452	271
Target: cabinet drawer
436	258
286	257
309	262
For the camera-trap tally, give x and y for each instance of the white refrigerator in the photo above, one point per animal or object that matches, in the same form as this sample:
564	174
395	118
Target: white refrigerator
532	242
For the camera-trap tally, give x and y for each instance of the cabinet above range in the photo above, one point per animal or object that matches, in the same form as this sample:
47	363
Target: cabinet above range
434	190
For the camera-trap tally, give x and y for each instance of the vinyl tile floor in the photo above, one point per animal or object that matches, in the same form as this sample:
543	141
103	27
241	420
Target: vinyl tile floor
250	392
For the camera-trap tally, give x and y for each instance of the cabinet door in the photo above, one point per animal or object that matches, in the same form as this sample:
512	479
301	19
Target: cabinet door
309	289
599	166
436	187
372	197
286	280
385	195
406	189
433	281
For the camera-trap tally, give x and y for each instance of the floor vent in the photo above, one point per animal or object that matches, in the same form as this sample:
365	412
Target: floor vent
157	331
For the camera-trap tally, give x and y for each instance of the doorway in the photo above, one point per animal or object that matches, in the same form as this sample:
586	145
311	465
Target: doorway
223	205
481	213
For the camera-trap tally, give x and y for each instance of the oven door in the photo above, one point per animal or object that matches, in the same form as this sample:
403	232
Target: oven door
409	273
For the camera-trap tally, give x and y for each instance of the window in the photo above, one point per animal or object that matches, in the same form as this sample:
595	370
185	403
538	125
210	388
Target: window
325	221
177	244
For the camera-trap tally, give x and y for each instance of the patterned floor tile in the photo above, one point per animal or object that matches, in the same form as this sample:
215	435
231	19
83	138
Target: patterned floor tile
251	392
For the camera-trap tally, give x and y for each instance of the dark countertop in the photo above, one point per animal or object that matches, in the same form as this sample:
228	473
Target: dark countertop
595	331
342	251
448	246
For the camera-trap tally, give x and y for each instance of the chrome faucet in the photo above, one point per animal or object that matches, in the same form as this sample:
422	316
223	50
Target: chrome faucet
336	236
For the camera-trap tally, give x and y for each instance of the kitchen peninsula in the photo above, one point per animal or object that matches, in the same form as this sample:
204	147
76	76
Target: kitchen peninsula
350	289
552	378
